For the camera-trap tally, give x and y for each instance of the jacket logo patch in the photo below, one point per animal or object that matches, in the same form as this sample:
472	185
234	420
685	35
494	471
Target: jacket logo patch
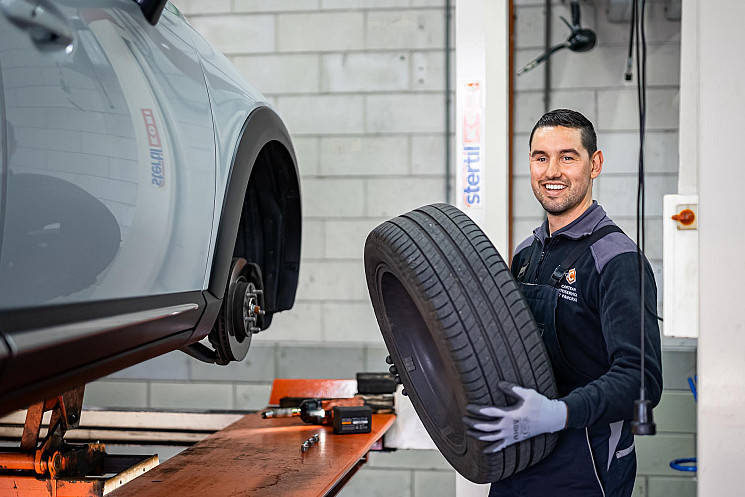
571	276
568	293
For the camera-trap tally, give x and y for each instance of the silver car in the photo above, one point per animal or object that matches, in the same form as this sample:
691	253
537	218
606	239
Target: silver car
149	197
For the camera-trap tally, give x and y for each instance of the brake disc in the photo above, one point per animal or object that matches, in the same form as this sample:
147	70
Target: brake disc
241	314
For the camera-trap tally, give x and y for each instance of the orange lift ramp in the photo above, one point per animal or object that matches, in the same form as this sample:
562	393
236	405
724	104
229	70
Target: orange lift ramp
53	467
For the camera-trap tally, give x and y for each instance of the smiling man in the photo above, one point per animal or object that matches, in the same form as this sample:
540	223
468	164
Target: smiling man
579	274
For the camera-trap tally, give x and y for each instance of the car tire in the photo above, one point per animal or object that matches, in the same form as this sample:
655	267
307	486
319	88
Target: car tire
455	324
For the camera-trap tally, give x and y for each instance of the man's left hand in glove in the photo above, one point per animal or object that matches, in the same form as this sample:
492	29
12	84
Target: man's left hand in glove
532	415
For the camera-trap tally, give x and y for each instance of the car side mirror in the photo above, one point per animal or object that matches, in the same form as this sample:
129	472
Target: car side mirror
152	9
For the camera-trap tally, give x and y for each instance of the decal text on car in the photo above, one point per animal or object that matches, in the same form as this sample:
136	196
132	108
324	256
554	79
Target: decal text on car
157	166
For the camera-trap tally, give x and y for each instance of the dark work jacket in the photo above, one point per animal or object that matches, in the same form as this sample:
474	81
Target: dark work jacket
598	320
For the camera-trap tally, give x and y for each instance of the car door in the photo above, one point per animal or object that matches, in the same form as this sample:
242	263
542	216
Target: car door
106	191
108	165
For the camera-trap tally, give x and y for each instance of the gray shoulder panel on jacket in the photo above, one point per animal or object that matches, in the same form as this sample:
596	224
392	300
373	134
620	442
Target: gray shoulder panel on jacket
609	247
524	244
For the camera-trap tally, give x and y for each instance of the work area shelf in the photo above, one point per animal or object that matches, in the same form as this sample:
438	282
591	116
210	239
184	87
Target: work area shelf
262	457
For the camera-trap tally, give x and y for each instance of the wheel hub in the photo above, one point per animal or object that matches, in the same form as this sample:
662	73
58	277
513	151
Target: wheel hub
241	313
246	309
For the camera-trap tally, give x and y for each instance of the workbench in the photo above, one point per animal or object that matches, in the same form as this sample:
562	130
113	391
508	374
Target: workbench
261	457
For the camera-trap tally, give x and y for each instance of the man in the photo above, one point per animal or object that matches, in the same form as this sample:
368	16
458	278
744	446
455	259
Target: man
579	274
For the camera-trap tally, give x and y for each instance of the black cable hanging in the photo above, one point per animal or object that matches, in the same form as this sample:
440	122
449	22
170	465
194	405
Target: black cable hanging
630	56
643	423
580	39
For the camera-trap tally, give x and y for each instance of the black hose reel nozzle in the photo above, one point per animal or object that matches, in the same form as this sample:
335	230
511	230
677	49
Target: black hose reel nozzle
643	423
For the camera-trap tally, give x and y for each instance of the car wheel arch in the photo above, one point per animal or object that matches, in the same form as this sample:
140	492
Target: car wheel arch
261	202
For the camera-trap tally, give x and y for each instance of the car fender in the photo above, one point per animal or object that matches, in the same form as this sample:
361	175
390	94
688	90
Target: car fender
248	130
262	127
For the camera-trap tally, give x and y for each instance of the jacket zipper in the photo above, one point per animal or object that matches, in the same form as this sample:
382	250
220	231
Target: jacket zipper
544	250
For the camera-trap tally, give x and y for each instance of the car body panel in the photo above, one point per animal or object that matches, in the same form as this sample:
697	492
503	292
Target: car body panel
233	100
120	115
132	161
277	223
244	125
59	347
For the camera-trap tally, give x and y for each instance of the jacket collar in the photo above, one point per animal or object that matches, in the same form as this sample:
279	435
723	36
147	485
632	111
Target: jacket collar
581	227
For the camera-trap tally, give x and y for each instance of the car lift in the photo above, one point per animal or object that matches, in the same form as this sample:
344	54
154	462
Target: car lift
57	468
252	455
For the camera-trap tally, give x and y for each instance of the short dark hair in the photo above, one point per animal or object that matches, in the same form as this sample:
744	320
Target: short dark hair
569	119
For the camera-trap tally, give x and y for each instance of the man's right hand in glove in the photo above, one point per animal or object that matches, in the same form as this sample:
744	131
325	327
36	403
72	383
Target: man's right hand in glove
532	415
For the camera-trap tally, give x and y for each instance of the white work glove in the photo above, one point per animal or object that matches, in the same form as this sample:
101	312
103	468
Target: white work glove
532	415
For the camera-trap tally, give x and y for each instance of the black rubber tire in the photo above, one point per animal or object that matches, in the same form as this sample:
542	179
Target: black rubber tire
455	324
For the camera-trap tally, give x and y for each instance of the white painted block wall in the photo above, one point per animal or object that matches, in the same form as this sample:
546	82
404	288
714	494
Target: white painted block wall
360	86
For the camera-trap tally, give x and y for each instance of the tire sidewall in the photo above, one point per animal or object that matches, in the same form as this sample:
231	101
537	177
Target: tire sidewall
380	260
455	317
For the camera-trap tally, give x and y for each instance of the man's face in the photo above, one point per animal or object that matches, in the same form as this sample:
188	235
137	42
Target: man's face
561	171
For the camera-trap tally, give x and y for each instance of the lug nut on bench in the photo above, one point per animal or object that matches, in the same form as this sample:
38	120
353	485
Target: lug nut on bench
309	443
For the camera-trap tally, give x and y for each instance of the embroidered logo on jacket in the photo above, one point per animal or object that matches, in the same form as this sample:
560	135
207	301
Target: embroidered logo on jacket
568	292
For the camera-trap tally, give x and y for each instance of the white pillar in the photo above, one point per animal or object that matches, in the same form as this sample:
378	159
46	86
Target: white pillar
482	115
689	99
482	130
464	488
721	352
